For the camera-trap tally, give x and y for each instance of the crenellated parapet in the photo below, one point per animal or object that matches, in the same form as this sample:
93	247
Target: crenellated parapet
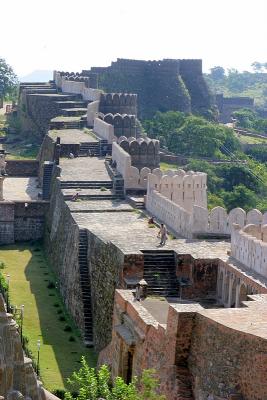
124	124
187	189
121	103
249	245
144	152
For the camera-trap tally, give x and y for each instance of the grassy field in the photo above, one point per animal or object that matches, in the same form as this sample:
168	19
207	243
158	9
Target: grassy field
29	276
251	140
165	166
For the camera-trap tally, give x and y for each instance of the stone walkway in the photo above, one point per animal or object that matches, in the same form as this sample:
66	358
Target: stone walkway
21	189
70	136
84	169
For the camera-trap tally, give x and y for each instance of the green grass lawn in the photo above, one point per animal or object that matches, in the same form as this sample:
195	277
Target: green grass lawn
165	166
251	140
29	276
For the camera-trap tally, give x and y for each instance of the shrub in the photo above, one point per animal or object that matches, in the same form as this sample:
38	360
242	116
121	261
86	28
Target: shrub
72	339
59	311
2	265
50	285
62	318
56	305
68	328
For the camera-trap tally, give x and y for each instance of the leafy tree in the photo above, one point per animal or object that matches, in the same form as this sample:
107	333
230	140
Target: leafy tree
240	196
257	66
190	135
8	80
217	73
93	385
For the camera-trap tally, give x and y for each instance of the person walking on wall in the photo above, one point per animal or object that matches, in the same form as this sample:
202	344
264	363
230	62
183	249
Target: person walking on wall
162	234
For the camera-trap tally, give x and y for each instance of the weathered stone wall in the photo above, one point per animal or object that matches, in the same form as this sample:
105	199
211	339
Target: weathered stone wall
29	220
227	105
21	221
225	361
18	379
105	263
62	246
22	167
6	222
46	153
201	276
160	85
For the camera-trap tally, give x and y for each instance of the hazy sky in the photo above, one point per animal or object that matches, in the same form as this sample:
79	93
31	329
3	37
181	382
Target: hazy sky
78	34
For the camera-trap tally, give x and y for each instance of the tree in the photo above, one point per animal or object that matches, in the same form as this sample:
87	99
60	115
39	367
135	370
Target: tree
8	80
240	196
93	385
217	73
257	66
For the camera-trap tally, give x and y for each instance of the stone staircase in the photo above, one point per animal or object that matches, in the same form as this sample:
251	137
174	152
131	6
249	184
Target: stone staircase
66	123
160	272
73	112
93	147
47	176
85	287
86	184
71	104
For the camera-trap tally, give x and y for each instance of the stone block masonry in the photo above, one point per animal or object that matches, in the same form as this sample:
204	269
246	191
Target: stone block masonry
160	85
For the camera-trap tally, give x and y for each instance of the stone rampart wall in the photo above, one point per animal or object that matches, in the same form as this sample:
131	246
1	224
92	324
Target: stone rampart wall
144	152
46	153
124	124
184	189
120	103
173	215
197	354
226	361
62	246
133	178
249	246
21	221
79	86
22	167
105	263
92	110
104	130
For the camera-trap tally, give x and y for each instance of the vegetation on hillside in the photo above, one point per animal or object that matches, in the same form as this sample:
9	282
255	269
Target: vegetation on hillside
190	135
232	184
235	83
8	81
250	120
92	385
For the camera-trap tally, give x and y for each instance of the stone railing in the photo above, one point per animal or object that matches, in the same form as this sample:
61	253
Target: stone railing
249	246
173	215
76	87
183	188
133	178
105	131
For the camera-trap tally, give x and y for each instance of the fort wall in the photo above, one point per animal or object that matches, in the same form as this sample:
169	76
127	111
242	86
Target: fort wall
249	246
185	349
104	130
144	152
61	245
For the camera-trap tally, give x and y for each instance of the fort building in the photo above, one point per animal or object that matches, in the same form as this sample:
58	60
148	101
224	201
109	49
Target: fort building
200	320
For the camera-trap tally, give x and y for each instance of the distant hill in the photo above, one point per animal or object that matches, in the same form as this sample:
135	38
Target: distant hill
37	76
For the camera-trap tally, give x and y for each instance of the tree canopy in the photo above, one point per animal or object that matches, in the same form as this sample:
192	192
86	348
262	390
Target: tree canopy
190	135
8	80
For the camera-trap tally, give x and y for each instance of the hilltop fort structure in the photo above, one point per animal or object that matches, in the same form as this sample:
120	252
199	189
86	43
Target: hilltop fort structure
194	309
160	85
